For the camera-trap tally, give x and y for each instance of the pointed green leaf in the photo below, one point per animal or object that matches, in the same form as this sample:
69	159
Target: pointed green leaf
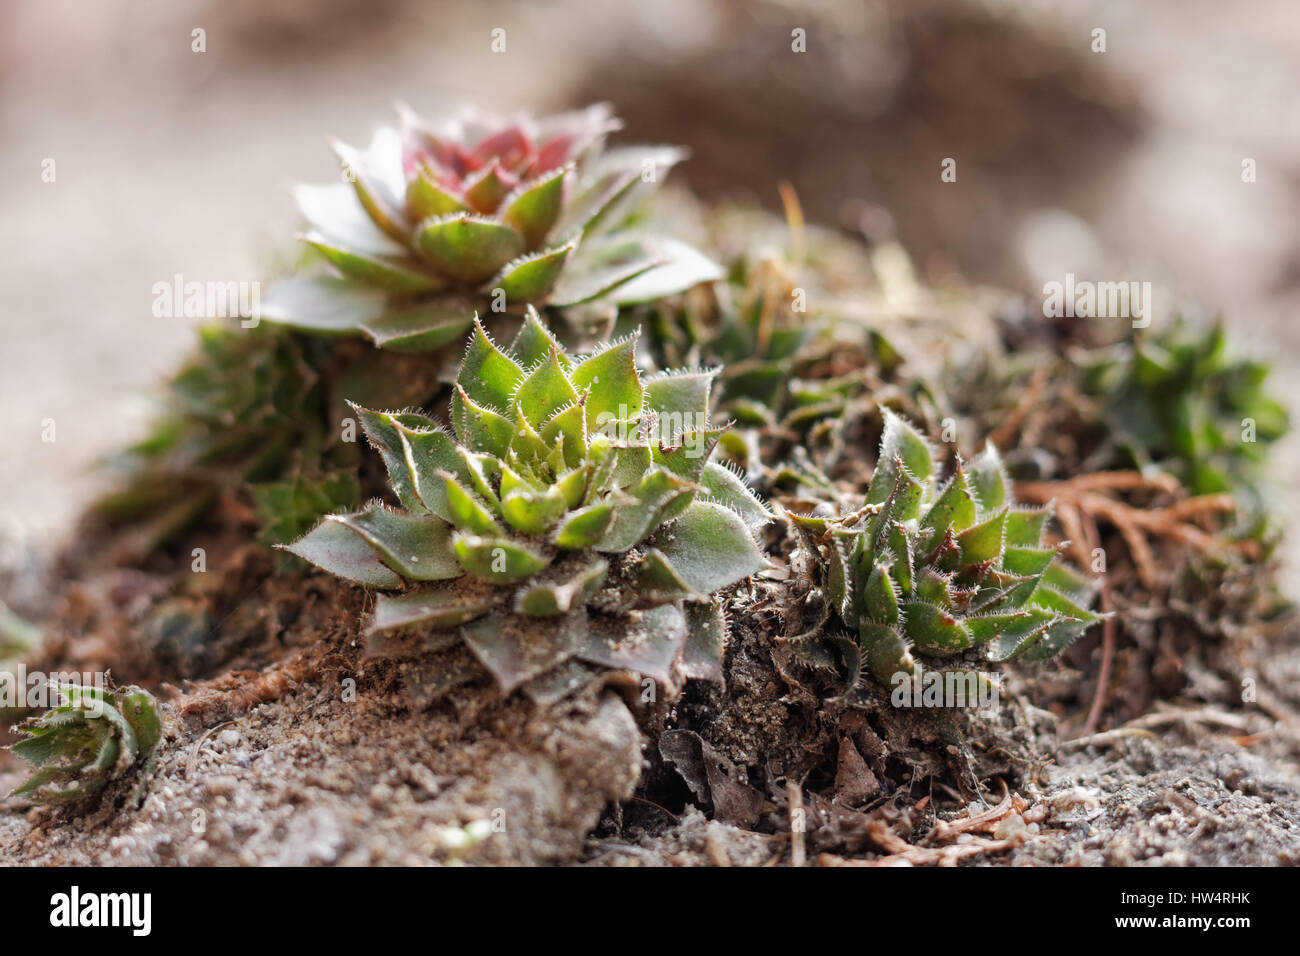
932	630
903	570
486	374
427	198
651	496
466	248
1025	526
532	513
560	597
689	458
531	278
397	274
485	189
545	390
1027	561
534	207
468	513
569	426
656	581
885	652
535	341
681	399
418	547
572	485
988	480
954	509
982	542
1007	636
709	547
879	599
478	427
498	560
899	442
1054	600
934	588
611	378
414	449
1057	637
583	528
1068	581
336	548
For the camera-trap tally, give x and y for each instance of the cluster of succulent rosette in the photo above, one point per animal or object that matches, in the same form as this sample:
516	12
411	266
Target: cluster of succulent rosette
945	570
574	514
1178	400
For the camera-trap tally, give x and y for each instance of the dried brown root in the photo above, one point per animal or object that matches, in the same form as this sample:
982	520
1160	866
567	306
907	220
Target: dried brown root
1146	725
1082	498
902	853
947	830
948	842
1107	640
1081	501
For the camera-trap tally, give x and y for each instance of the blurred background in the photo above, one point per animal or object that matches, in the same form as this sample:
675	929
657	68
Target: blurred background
1119	164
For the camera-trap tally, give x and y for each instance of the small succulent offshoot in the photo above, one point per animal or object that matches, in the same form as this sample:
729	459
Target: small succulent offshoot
94	736
938	570
439	218
572	515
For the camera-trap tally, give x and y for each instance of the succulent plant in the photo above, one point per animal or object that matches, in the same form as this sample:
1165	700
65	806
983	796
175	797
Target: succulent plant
572	514
438	220
1179	401
93	736
938	570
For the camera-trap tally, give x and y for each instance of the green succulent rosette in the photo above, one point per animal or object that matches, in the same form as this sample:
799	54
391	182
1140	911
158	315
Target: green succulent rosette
479	212
945	570
570	519
93	736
